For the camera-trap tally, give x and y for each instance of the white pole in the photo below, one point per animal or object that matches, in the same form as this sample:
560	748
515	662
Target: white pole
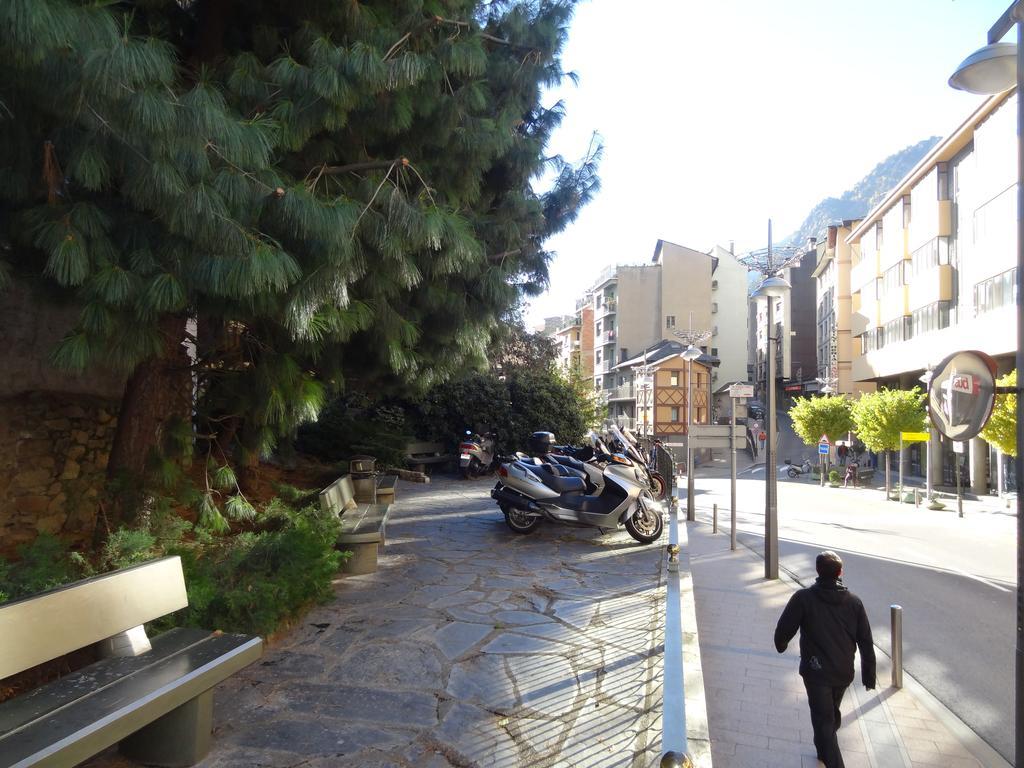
928	468
900	499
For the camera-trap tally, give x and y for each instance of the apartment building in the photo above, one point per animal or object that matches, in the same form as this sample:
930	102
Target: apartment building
834	340
933	269
575	342
681	290
794	318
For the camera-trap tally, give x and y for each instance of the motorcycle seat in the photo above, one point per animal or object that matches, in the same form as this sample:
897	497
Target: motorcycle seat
568	483
569	461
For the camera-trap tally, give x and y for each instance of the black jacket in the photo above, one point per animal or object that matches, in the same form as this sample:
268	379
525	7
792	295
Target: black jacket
832	624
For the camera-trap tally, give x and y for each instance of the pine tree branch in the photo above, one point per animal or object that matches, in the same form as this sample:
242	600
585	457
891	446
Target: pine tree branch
372	165
499	258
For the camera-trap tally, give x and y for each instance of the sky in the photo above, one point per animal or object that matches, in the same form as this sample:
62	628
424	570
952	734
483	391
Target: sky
717	115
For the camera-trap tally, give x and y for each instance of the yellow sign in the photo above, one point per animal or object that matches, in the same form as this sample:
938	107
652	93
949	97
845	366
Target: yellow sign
915	437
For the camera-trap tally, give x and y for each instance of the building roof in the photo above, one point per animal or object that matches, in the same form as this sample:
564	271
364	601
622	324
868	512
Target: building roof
941	152
656	258
664	350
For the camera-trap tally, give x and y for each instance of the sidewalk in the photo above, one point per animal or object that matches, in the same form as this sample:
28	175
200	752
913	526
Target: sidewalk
757	708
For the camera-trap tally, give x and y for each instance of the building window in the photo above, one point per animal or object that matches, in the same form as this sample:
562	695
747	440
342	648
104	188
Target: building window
878	235
996	292
597	356
670	321
624	354
892	279
597	330
674	413
673	379
577	335
934	317
926	257
714	351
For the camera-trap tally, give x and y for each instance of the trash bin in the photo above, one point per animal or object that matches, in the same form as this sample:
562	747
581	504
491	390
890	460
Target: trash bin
364	478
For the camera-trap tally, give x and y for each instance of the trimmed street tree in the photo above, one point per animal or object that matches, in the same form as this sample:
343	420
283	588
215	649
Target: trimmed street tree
1001	429
310	195
816	416
880	417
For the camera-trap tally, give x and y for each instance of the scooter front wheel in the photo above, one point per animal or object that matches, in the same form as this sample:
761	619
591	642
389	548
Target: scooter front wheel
646	524
792	472
518	520
659	487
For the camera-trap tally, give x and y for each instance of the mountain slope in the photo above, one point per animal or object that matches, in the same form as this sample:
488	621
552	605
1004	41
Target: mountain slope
864	196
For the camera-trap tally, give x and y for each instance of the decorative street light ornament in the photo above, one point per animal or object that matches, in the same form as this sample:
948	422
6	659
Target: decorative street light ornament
961	394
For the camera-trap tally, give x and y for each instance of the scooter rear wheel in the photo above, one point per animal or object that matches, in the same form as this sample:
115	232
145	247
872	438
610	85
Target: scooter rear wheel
518	520
646	523
472	471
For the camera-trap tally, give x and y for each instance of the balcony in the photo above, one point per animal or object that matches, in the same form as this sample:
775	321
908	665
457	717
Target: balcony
607	307
935	284
608	337
605	366
625	392
864	273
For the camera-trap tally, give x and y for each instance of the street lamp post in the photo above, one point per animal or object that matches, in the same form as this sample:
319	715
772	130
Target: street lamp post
690	354
993	69
770	264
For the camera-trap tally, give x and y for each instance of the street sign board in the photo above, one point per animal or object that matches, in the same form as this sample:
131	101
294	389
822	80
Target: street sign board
710	442
824	440
741	390
823	449
914	437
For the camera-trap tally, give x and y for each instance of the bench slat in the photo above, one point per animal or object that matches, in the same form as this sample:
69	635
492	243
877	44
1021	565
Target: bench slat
104	712
47	626
364	524
33	704
387	482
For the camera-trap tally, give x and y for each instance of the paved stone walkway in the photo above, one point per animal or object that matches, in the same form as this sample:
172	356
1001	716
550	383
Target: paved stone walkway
470	646
473	646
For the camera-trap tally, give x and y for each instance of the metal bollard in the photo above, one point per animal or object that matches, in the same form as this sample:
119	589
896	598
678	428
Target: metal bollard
714	519
896	620
917	497
676	760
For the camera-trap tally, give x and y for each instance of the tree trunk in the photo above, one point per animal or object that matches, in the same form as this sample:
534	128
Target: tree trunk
888	486
157	391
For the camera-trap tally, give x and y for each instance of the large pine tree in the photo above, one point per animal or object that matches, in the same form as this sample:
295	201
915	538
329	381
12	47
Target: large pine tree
315	193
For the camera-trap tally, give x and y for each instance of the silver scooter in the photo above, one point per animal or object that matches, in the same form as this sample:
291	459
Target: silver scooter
476	454
530	490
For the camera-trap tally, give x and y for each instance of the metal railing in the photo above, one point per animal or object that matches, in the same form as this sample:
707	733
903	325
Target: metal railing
625	392
674	747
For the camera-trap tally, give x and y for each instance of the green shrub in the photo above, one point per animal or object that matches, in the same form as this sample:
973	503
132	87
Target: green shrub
44	564
253	582
833	476
248	583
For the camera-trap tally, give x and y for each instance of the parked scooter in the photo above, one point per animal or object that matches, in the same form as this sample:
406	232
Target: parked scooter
795	470
626	443
476	454
530	490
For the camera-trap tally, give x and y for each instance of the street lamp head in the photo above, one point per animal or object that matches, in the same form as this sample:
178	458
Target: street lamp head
826	390
989	70
775	287
691	353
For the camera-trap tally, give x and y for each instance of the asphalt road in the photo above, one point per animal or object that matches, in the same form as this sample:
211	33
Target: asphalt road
955	578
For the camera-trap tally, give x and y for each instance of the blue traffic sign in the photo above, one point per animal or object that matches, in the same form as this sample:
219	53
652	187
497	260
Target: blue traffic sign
823	449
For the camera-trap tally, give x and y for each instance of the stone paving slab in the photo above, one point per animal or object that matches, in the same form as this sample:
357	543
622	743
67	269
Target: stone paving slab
470	646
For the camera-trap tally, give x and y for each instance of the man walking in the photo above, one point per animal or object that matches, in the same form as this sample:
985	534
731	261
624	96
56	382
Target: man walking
832	625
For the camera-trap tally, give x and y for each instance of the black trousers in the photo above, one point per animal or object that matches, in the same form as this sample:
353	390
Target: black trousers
824	701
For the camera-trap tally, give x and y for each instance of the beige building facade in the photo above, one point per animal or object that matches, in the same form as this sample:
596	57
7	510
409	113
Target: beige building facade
933	269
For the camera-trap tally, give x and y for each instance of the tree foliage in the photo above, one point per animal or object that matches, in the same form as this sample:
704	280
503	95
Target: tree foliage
335	193
880	417
1001	430
816	416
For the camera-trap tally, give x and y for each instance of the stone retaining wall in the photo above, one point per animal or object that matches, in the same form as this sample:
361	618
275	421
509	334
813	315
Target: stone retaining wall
53	458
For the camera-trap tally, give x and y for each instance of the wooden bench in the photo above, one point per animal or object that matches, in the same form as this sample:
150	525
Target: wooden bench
418	455
363	526
154	698
386	486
